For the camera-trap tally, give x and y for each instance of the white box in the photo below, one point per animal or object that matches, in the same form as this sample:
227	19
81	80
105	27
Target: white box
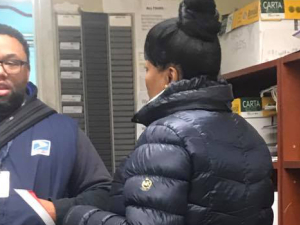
258	42
263	125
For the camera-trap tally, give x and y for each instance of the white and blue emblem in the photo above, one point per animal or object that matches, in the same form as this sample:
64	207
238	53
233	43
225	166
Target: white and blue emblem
40	147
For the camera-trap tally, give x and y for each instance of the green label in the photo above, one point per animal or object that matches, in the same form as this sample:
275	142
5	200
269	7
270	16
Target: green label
272	6
251	104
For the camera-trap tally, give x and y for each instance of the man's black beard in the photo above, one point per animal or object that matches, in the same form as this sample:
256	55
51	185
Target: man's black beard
8	107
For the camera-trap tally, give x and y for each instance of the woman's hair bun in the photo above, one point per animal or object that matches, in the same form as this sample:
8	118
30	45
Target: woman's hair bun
205	6
199	19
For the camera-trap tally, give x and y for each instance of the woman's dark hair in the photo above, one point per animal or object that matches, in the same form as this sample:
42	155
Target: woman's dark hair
189	41
7	30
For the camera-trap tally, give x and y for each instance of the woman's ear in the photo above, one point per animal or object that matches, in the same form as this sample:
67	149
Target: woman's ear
173	74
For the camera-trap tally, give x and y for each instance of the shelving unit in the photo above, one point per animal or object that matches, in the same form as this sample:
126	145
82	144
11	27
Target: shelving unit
285	72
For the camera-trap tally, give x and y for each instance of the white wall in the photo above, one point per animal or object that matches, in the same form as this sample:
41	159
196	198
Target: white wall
86	5
46	43
46	53
224	6
48	83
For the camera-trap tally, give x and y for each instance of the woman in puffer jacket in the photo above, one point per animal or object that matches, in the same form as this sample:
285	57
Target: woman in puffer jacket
196	163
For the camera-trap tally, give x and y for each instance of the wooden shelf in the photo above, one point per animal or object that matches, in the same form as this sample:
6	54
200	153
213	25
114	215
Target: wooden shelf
285	73
295	57
261	68
251	81
291	164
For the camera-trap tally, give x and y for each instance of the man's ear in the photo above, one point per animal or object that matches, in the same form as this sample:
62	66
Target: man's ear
27	74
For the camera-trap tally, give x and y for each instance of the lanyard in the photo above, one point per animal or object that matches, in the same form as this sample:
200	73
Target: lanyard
4	153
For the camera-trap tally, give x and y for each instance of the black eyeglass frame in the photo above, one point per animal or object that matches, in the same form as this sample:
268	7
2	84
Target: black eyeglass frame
16	62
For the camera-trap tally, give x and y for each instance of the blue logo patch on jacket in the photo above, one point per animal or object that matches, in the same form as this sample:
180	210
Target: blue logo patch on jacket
40	147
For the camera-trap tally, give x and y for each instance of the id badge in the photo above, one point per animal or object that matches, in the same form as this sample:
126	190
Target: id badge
4	184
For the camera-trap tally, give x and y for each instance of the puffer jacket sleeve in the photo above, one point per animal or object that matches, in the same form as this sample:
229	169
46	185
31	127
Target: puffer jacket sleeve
157	176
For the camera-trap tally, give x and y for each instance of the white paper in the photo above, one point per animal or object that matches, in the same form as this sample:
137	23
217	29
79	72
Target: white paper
70	74
36	206
71	98
70	63
72	109
4	184
120	21
69	20
69	45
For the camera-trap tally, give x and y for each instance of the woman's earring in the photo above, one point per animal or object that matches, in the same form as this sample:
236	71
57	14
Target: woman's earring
166	86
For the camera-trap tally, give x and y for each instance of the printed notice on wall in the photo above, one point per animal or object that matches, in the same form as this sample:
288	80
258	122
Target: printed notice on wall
148	21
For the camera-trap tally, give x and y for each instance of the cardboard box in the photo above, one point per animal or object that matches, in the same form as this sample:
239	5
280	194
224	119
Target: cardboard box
264	121
253	107
259	33
271	10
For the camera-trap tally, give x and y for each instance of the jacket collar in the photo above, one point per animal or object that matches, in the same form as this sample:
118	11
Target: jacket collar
197	93
31	91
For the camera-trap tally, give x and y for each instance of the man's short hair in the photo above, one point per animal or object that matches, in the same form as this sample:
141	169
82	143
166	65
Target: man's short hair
7	30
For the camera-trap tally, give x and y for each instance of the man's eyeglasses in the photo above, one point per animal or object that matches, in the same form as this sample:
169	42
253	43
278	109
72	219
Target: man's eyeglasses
12	66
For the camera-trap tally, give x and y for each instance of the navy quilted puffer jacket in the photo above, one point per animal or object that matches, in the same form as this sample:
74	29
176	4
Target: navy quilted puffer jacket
196	163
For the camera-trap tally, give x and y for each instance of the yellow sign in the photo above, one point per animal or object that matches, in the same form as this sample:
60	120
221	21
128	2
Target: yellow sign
246	15
253	107
264	10
292	9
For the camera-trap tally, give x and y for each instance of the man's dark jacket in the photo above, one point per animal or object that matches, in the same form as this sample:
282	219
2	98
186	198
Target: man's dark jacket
54	159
